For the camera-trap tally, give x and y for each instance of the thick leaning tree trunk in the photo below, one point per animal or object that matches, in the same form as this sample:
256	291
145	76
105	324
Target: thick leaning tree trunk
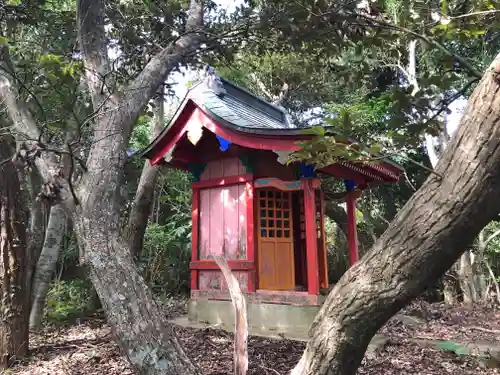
14	333
451	280
139	325
46	264
424	240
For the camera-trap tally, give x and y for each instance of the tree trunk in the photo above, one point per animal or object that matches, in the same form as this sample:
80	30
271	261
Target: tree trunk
36	227
451	286
139	325
424	240
463	269
466	277
143	200
141	330
14	333
46	264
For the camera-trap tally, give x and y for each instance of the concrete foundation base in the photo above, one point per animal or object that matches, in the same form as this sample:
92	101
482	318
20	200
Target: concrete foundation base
262	317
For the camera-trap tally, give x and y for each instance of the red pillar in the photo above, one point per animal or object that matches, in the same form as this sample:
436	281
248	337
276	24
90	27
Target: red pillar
195	212
351	227
250	234
311	238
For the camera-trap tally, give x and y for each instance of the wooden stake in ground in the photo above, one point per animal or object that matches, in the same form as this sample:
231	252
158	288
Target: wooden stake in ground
241	322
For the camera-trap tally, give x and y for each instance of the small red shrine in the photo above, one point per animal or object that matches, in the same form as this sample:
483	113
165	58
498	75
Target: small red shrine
264	216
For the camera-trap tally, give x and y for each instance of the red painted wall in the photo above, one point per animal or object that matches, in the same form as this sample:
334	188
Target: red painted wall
223	221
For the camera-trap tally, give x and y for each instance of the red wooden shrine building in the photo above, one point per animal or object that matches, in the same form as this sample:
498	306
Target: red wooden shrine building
264	216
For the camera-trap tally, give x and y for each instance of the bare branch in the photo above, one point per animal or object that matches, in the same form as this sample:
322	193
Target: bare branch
491	237
421	165
401	68
481	13
140	91
261	85
240	312
443	105
463	62
24	123
409	182
493	280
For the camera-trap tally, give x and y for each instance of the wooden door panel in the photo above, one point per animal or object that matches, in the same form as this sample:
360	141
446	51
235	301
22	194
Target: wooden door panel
285	275
267	264
275	240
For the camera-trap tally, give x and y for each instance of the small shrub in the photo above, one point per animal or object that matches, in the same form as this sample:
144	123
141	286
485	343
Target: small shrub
67	300
165	259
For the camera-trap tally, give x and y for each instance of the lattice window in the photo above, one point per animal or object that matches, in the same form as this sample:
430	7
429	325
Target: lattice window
275	214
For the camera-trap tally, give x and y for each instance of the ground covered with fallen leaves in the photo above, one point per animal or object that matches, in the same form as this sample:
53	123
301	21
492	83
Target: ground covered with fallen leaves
87	348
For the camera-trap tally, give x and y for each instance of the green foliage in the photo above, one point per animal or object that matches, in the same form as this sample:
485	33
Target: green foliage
67	300
492	250
70	294
166	254
323	149
165	258
266	74
337	256
141	134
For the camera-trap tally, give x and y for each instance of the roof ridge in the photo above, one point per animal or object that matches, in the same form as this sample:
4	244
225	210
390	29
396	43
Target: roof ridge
281	109
219	86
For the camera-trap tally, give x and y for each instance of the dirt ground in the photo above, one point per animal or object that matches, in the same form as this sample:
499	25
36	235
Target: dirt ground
88	349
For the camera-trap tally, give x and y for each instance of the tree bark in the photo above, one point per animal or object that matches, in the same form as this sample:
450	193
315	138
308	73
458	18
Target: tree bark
140	328
36	226
14	333
451	285
466	278
46	264
57	227
143	200
424	240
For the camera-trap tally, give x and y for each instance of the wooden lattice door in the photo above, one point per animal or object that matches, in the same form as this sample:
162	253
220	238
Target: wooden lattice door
275	240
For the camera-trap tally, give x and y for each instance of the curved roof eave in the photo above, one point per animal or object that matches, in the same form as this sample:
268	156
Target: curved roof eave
192	100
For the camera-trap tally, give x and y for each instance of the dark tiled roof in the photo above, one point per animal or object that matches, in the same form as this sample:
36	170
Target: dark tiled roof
240	108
